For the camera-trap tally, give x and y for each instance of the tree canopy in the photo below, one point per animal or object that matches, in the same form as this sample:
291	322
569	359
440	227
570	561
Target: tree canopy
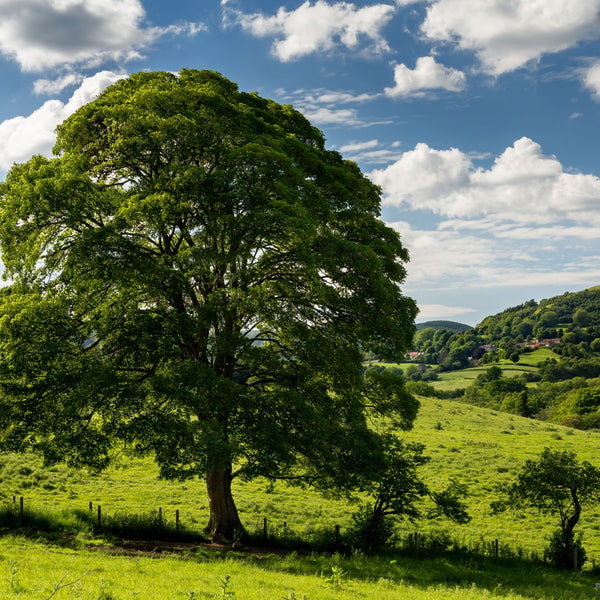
558	484
196	276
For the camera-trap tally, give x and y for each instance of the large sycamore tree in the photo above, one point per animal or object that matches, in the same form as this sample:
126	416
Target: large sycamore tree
194	275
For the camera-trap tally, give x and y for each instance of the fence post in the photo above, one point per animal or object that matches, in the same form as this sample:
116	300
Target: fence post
177	520
99	516
91	507
21	509
496	548
160	515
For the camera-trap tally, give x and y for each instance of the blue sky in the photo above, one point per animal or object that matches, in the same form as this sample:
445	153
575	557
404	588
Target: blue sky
480	119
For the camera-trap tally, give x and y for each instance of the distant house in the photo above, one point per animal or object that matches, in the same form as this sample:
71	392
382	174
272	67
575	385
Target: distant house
489	348
549	342
415	355
527	345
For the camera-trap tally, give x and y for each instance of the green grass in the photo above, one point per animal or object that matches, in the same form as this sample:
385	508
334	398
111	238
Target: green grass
537	356
482	448
463	378
485	448
479	447
34	571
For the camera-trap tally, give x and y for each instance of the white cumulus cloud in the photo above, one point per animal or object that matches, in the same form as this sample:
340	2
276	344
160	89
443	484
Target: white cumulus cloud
508	34
441	311
591	80
42	34
448	259
24	136
427	75
318	27
522	186
49	86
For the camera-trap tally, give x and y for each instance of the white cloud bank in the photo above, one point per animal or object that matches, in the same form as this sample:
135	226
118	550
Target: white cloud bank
427	75
318	27
42	34
507	35
522	186
24	136
437	311
591	80
521	222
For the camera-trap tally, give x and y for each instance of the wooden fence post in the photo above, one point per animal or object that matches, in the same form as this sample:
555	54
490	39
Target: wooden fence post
160	515
177	520
496	553
21	509
99	516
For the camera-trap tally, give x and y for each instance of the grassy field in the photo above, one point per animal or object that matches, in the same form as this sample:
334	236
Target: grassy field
451	380
34	571
479	447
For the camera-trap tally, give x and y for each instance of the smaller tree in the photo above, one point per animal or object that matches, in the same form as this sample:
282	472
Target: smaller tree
558	484
398	490
582	318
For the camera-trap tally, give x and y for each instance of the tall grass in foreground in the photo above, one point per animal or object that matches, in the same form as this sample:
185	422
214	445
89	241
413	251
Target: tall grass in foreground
33	571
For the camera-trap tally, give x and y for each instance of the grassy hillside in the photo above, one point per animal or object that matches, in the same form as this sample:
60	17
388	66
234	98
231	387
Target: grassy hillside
567	312
485	448
479	447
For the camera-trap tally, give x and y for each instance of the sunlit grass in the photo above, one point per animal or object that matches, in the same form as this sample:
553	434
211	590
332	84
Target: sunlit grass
479	447
31	570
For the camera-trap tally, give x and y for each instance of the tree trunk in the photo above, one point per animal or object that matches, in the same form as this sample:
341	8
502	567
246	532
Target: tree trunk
224	523
568	528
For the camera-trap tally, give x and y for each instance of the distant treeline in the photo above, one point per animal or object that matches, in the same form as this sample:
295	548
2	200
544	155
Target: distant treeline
570	321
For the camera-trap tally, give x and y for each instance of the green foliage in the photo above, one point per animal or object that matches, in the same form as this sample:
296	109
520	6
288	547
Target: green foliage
559	485
399	490
573	317
582	402
370	532
196	277
558	554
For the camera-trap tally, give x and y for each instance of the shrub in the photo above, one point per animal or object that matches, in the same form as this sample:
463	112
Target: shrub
370	532
558	554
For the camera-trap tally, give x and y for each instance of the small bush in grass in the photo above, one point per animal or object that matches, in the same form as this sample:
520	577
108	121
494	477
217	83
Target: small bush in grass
370	532
557	553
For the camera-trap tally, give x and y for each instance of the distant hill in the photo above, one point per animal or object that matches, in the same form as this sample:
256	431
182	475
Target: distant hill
452	326
551	317
569	324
